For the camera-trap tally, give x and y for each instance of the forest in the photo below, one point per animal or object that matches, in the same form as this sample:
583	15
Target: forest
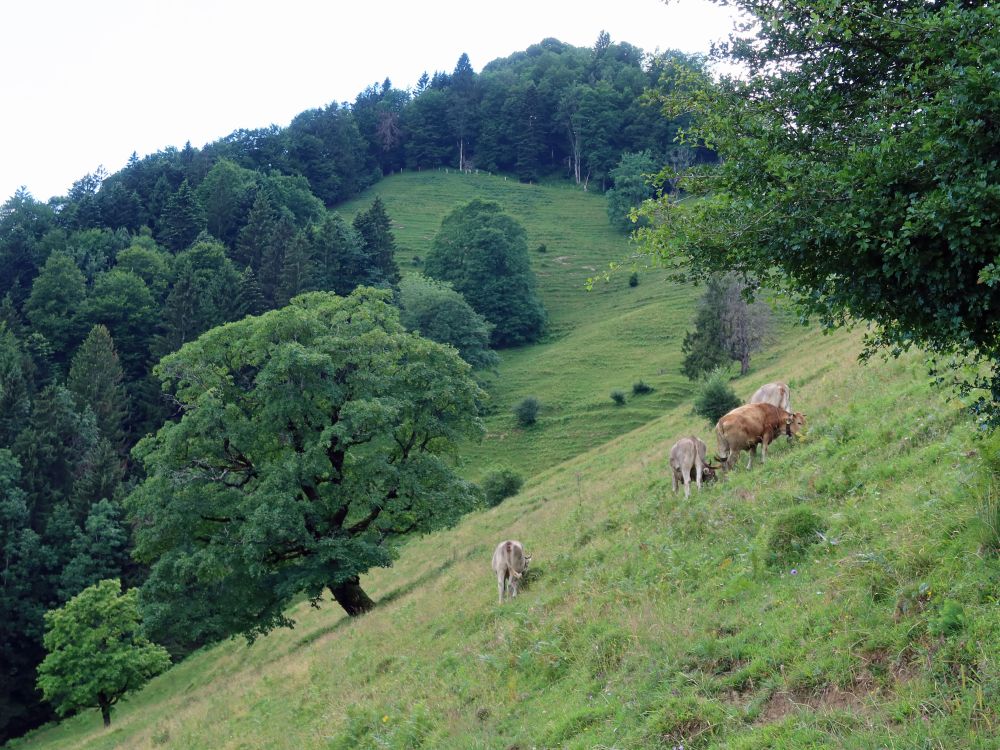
100	284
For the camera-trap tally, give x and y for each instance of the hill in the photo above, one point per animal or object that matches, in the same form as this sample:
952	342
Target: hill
650	620
598	341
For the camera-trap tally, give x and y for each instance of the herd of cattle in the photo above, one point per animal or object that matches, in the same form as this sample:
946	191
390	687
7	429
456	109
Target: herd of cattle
768	415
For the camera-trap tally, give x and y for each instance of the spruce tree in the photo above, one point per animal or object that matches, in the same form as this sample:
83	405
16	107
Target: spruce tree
375	228
249	299
95	379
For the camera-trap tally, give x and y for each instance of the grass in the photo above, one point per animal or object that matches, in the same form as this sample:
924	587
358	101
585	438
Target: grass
647	620
597	341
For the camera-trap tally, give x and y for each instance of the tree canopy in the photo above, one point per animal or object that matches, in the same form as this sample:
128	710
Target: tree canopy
483	253
311	439
858	173
97	652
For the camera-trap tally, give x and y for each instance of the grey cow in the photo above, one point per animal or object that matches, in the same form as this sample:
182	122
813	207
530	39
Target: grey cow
687	460
509	563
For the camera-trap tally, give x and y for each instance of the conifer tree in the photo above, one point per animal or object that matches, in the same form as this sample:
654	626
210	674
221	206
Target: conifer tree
95	379
249	299
375	228
183	219
297	273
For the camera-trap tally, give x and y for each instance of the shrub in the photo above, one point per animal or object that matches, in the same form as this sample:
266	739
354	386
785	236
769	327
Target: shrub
415	260
618	396
791	533
542	249
716	397
526	411
639	388
950	619
500	484
633	280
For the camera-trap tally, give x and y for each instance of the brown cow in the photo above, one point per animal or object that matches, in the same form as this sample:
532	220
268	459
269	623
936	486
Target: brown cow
745	427
509	563
687	459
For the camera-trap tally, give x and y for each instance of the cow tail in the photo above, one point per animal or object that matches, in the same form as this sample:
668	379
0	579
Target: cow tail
508	547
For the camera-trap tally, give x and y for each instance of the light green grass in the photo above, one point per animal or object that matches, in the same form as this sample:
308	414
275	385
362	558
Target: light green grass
599	340
650	621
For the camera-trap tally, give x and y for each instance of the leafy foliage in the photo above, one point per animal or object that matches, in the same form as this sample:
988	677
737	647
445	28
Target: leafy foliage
483	253
499	484
435	310
526	411
857	174
715	397
97	652
316	435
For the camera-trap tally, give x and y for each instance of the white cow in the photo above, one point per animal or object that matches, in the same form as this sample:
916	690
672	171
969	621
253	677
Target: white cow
775	394
509	563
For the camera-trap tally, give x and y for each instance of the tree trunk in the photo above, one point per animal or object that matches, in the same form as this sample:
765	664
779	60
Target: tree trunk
105	712
745	363
352	597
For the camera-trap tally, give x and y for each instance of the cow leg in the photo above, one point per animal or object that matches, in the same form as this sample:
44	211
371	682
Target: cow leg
698	469
750	454
673	477
687	483
500	580
513	587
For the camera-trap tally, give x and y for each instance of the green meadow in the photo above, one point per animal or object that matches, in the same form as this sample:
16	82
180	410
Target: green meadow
839	596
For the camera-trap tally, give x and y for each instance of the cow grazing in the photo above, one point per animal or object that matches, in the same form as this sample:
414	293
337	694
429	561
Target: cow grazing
745	427
776	394
509	563
687	460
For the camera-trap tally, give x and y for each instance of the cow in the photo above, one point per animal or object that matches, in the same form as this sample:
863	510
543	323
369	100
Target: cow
687	460
509	563
747	426
776	394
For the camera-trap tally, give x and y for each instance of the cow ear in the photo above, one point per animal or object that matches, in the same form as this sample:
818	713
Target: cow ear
788	420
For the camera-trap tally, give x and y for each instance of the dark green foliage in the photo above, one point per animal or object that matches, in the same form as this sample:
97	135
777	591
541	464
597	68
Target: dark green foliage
726	328
618	396
633	280
499	484
183	219
95	379
435	310
121	301
640	388
857	174
715	397
632	185
526	411
790	534
338	252
541	248
483	252
150	263
249	298
227	194
55	307
100	551
15	385
298	273
375	229
97	652
317	433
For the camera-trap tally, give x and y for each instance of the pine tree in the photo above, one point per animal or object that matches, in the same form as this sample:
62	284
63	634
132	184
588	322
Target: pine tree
375	228
338	251
183	219
249	299
95	379
297	273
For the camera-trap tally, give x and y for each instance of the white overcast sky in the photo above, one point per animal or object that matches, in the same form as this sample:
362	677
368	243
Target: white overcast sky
87	82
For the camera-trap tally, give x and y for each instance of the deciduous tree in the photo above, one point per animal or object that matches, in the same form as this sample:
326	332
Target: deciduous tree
312	439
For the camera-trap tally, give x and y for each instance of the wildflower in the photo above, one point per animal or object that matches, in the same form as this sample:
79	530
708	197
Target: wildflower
794	572
385	718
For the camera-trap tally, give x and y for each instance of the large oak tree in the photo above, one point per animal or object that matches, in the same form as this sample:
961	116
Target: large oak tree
311	439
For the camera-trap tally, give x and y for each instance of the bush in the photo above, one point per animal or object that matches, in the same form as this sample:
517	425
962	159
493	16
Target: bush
526	411
542	249
633	280
618	397
500	484
791	533
641	388
716	397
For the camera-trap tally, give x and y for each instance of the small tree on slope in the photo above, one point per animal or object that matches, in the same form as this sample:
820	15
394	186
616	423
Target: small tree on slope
97	652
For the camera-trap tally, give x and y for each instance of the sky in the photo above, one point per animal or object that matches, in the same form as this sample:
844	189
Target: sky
85	84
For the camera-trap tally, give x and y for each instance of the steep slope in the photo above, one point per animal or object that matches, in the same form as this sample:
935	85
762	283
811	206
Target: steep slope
649	620
599	340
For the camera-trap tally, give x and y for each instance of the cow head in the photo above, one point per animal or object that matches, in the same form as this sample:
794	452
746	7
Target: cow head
795	423
709	472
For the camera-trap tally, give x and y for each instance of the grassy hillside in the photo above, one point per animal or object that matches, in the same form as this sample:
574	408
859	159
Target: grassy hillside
651	621
598	341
